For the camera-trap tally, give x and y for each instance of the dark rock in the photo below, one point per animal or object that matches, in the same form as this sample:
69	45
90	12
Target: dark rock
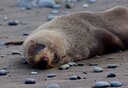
111	75
25	34
80	64
51	75
30	81
111	65
74	77
50	17
13	23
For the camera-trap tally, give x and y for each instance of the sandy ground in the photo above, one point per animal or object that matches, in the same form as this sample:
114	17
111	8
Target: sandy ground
31	19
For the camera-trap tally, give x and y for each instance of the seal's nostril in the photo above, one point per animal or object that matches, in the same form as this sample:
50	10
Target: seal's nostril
43	63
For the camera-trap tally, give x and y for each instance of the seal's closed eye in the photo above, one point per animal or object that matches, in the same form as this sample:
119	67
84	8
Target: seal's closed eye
39	47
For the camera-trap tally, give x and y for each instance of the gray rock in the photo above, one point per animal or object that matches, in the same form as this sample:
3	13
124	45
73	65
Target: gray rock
26	4
3	72
57	6
50	17
30	81
101	84
53	86
92	1
64	67
15	52
51	75
97	69
72	63
46	3
116	84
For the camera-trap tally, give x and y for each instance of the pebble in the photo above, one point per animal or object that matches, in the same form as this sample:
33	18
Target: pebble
50	17
34	73
24	61
64	67
51	75
85	5
13	23
116	84
101	84
46	3
25	34
97	69
111	75
6	67
74	77
15	52
69	5
6	18
92	1
111	65
72	63
92	64
30	81
53	86
57	6
54	11
3	72
80	64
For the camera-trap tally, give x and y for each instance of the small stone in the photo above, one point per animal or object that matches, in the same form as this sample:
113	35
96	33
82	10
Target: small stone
69	5
111	65
13	23
72	63
92	1
54	11
46	3
53	86
15	52
64	67
101	84
50	17
34	73
80	64
92	64
3	72
74	77
24	61
30	81
116	84
6	67
85	5
111	75
25	34
51	75
57	6
6	18
97	69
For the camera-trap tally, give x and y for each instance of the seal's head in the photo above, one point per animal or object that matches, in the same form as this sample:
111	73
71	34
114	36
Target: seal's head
45	49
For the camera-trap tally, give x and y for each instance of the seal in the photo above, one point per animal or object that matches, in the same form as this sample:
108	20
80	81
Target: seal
77	36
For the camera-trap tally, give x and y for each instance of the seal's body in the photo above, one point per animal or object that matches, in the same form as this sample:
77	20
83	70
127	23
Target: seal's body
77	36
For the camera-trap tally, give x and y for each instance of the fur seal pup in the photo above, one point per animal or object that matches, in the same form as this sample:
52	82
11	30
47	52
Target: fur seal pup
77	36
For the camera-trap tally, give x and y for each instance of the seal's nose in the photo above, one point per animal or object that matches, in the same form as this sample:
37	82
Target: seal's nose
43	63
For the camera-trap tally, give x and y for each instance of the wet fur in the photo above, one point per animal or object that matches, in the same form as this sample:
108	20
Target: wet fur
78	36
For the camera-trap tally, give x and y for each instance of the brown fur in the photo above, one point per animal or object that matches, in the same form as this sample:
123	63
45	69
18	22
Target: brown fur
78	36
